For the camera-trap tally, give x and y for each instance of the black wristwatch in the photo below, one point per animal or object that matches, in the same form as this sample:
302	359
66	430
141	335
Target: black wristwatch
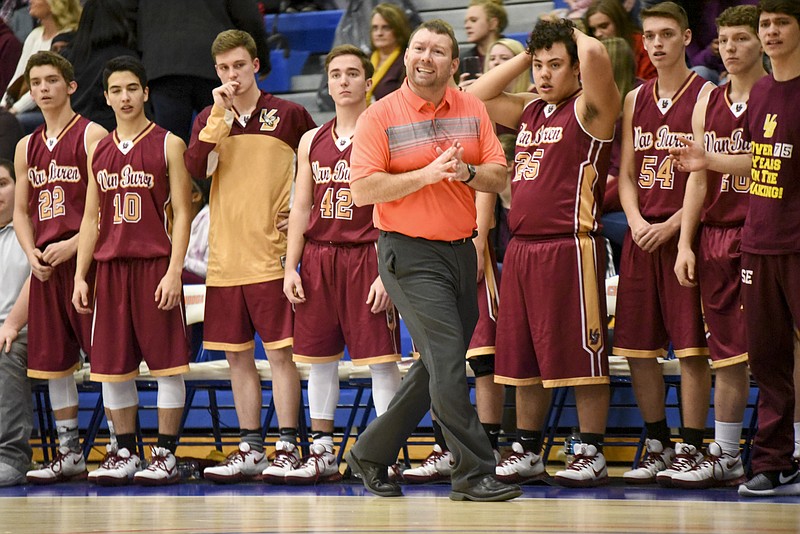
472	172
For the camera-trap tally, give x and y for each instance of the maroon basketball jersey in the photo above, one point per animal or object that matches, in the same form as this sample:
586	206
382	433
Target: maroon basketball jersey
334	217
773	218
57	175
726	196
559	173
657	123
133	186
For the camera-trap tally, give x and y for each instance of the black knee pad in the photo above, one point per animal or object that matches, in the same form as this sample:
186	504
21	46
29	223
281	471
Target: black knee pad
482	365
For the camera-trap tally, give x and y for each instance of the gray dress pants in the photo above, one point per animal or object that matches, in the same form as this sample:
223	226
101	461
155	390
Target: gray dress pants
433	285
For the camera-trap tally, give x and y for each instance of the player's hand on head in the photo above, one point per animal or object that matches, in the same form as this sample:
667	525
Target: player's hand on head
39	267
168	292
378	298
293	287
80	297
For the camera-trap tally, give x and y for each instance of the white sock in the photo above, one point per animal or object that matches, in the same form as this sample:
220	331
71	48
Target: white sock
385	383
323	390
325	440
68	434
728	436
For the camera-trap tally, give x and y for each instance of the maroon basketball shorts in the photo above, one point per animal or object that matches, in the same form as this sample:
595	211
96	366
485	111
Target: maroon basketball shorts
719	273
336	282
552	324
234	314
653	308
483	338
56	331
128	326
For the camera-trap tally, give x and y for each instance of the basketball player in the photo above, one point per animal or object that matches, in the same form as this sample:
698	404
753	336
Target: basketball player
770	245
553	270
135	173
338	296
653	309
720	202
246	141
51	164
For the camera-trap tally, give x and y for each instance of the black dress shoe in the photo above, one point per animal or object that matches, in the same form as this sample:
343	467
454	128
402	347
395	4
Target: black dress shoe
374	476
489	489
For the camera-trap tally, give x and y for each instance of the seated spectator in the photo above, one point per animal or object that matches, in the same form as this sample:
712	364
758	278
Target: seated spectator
703	51
389	34
10	50
195	264
608	18
54	17
104	33
484	23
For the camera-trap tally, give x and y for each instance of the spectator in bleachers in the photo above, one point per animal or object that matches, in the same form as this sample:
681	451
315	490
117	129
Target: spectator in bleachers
18	113
484	23
247	142
174	38
54	16
389	33
608	18
16	411
703	51
104	33
10	50
615	224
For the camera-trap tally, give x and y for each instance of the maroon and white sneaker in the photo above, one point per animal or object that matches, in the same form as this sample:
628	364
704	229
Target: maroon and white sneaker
286	458
520	467
119	473
657	459
588	468
718	469
318	467
686	457
241	465
65	467
437	466
162	470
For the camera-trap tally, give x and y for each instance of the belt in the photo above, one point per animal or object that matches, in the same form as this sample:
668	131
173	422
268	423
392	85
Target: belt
461	241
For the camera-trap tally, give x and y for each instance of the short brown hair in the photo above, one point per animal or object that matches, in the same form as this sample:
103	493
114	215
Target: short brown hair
397	20
785	7
350	50
230	39
439	27
45	57
667	10
739	16
494	10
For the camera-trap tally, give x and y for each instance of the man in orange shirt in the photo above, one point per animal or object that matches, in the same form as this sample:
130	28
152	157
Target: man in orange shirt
418	155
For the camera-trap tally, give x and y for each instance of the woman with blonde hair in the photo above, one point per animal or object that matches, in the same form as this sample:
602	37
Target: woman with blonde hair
501	51
54	16
389	33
